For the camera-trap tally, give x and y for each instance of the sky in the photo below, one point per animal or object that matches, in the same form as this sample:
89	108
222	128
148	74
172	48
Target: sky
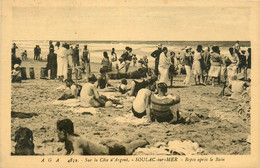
146	23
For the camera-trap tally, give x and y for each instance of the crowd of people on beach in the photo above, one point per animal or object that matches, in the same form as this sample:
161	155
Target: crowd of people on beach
149	87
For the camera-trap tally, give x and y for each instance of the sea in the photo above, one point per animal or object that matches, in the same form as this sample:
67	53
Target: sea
140	48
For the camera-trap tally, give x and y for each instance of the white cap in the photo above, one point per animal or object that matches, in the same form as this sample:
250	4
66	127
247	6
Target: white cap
16	66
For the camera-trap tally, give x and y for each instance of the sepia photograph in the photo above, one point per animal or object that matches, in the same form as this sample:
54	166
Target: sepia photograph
124	78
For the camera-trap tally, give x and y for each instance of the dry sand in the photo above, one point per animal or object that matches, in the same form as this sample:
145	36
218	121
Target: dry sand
219	130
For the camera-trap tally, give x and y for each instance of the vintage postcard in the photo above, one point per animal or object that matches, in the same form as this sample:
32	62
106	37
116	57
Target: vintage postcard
120	83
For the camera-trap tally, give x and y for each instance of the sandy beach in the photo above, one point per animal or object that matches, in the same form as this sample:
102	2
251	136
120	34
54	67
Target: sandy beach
218	129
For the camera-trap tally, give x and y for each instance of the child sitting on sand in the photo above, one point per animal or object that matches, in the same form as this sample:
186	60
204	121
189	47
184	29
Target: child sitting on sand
90	96
16	74
236	88
102	81
75	145
123	86
72	90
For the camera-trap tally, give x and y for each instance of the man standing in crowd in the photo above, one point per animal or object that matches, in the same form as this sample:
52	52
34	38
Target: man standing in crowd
51	48
248	67
24	55
205	64
76	56
156	55
13	50
85	57
126	58
15	60
37	52
52	64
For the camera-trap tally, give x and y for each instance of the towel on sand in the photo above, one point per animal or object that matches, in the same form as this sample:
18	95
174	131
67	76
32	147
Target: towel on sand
69	102
131	119
85	111
173	147
184	147
151	151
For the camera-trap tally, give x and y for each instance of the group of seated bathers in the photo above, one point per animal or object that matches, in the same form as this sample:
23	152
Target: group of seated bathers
156	106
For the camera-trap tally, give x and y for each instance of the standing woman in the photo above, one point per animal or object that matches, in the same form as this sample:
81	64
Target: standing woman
173	66
163	67
232	68
188	60
62	56
114	59
57	47
196	65
215	67
105	61
70	59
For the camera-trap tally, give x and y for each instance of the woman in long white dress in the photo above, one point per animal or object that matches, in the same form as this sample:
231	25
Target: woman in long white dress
164	64
232	68
62	61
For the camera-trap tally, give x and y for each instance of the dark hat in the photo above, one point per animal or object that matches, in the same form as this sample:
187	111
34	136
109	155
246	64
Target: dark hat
124	81
215	48
57	43
162	86
102	70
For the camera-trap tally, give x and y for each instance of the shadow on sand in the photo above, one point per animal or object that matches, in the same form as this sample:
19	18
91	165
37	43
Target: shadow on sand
22	115
177	86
